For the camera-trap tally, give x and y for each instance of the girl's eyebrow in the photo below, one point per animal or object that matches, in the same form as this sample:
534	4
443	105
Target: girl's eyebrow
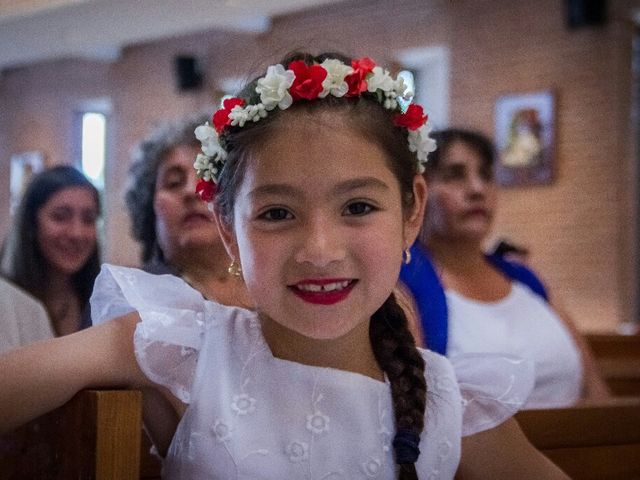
275	189
361	182
341	188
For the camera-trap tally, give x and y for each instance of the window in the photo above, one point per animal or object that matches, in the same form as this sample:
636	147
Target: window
430	67
90	145
93	147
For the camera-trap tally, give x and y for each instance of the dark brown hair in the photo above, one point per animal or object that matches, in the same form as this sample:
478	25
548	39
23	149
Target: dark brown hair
476	141
392	343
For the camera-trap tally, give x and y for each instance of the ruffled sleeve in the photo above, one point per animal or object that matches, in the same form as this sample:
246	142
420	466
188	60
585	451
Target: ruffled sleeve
493	388
169	336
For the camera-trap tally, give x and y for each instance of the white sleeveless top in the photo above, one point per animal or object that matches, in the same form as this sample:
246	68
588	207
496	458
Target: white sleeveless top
253	416
521	324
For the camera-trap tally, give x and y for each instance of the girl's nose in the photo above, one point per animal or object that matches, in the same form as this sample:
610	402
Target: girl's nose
320	243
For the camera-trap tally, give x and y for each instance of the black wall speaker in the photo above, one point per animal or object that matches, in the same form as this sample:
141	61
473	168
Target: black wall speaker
188	73
582	13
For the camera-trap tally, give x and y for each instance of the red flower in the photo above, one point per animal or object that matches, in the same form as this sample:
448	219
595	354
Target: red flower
308	81
356	80
221	117
206	190
412	119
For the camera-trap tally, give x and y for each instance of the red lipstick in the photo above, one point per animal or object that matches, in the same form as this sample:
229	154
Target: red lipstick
325	291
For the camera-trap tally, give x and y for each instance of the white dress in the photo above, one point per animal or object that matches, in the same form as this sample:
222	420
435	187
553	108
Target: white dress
521	324
253	416
24	319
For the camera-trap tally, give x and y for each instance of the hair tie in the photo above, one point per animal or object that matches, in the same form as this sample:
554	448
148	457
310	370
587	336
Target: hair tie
405	444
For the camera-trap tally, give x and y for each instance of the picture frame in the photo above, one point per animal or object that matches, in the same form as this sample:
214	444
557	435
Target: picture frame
525	139
23	167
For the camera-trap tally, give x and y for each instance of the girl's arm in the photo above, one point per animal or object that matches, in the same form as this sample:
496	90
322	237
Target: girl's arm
504	452
43	376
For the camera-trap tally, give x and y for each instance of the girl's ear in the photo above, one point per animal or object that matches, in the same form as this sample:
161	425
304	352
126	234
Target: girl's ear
413	222
227	235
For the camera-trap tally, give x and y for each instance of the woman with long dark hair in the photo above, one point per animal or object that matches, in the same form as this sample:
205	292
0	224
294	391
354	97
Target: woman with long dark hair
52	251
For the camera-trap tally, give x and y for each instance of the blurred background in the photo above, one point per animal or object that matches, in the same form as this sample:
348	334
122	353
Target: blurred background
81	81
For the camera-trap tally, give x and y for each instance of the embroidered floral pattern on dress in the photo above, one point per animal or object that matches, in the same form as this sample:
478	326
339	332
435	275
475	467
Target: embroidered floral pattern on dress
372	467
317	423
330	425
443	451
221	430
297	451
243	404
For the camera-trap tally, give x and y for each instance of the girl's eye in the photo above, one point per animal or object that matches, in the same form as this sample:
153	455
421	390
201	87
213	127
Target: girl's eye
276	214
358	209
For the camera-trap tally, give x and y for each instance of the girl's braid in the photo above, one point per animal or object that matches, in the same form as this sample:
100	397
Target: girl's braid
395	351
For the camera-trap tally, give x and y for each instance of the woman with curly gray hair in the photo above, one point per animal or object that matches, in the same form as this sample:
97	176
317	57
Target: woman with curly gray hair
173	226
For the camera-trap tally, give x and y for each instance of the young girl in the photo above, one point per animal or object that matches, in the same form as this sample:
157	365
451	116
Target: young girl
314	169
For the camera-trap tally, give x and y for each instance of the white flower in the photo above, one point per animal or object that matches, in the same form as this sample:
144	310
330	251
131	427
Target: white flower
206	168
317	423
273	87
372	467
380	80
297	451
202	162
221	430
243	404
390	104
334	84
209	139
256	112
421	143
238	116
203	166
203	132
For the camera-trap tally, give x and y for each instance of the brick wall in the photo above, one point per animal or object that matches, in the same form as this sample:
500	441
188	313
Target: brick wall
580	228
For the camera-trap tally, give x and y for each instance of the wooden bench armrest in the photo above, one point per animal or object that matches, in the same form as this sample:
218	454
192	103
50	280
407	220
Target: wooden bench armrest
95	435
588	442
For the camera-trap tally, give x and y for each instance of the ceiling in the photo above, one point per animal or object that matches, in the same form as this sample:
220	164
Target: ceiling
38	30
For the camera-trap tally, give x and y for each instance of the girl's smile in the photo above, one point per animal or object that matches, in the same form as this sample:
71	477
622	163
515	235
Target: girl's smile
323	291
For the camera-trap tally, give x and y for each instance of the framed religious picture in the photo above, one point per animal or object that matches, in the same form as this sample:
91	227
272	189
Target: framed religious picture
525	135
23	167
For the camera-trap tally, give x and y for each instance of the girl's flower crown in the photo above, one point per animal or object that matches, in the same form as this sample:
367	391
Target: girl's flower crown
281	88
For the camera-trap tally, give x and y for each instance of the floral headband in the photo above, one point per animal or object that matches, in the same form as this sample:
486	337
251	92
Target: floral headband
281	88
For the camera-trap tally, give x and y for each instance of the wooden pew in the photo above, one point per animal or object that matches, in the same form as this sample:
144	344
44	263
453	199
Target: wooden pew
589	442
618	358
94	436
97	435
